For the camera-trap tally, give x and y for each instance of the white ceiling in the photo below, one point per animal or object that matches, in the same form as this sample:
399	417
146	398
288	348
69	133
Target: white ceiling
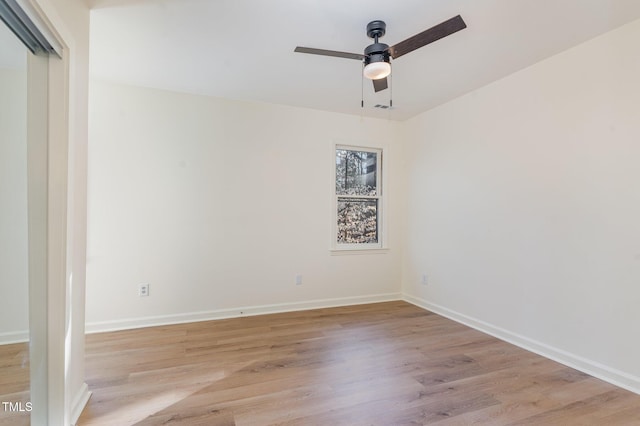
243	49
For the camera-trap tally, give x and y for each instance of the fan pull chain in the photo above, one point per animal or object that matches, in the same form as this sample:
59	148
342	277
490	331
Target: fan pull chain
390	90
362	87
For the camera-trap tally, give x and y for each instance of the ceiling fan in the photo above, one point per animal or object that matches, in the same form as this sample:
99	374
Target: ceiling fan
377	56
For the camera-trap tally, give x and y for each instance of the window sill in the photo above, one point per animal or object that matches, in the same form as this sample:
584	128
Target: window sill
347	252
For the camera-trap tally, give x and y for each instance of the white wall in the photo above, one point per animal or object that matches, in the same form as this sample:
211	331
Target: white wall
14	280
524	207
218	205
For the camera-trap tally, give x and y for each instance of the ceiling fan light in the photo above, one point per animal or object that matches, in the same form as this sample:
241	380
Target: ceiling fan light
377	70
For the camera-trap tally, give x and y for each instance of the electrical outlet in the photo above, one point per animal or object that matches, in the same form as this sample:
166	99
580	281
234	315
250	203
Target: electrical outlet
298	279
425	279
143	290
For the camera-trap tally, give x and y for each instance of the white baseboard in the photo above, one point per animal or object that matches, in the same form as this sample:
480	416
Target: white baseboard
79	402
593	368
14	337
126	324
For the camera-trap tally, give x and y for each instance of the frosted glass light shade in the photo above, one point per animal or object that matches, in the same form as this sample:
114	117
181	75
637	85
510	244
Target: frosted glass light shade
377	70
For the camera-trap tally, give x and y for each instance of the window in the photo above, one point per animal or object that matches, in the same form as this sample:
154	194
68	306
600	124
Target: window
358	198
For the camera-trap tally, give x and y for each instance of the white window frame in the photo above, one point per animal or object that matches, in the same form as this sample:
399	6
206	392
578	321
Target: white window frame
363	248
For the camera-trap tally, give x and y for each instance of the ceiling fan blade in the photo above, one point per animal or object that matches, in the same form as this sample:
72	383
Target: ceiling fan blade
324	52
441	30
380	84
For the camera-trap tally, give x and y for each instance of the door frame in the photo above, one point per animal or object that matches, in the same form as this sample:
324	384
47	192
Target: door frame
48	148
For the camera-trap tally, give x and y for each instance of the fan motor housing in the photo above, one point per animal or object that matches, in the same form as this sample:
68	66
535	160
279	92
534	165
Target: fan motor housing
376	52
376	48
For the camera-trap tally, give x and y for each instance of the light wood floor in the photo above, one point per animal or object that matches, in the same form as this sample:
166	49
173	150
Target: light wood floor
379	364
14	382
382	364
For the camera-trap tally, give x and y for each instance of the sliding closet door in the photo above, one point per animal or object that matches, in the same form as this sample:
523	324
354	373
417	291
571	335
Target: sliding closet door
14	264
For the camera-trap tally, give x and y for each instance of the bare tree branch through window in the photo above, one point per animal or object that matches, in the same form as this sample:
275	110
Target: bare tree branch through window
357	193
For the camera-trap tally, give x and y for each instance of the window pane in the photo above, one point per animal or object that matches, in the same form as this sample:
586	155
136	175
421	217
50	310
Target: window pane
357	221
356	172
